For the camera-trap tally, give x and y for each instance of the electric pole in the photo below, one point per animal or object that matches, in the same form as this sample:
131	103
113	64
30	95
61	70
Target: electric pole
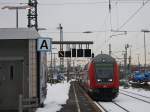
32	14
145	31
144	52
51	68
138	57
125	60
61	48
125	65
129	65
110	49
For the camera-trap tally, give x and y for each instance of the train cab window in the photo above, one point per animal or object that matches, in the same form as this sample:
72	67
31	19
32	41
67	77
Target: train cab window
104	71
11	72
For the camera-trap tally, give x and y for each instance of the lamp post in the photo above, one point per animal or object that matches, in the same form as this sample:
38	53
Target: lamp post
125	60
138	58
17	8
61	47
52	65
125	66
145	31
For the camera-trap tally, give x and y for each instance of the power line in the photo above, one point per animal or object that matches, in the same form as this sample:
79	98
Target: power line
100	31
86	3
79	3
135	13
73	3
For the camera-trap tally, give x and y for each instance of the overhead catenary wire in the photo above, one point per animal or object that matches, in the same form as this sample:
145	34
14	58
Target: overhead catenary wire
133	2
133	15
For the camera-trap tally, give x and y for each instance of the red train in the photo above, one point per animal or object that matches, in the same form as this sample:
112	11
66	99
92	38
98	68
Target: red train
100	78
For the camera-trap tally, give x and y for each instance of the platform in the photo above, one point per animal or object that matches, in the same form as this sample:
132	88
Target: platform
79	101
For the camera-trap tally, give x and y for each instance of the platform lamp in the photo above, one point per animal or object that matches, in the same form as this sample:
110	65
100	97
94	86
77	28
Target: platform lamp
17	8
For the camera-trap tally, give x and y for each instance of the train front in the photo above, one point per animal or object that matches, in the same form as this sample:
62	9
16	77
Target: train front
104	75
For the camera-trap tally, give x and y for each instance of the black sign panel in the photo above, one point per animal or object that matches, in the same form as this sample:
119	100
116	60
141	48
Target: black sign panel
67	53
87	52
61	53
74	53
79	52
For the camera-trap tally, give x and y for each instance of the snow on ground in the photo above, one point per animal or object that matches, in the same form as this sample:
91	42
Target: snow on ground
110	107
131	104
137	90
57	95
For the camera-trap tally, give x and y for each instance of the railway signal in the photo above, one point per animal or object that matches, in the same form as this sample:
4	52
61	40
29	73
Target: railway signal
74	52
79	52
87	52
92	55
61	53
67	53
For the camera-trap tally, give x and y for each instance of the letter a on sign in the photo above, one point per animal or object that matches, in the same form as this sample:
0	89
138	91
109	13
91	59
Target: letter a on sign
44	44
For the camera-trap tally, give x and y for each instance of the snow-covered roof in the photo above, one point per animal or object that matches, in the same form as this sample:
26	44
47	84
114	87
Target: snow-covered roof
20	33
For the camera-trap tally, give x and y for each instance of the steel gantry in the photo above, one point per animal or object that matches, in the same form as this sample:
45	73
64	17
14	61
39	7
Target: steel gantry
32	14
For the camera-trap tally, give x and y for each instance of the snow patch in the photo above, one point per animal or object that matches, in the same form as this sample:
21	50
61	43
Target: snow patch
57	95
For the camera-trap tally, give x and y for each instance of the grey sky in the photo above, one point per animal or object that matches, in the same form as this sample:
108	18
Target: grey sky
77	16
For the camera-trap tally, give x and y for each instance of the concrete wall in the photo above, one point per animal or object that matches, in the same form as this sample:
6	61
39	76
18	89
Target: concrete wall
25	50
32	69
16	49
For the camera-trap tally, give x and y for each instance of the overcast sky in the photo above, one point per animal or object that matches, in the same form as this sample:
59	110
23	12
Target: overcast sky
77	16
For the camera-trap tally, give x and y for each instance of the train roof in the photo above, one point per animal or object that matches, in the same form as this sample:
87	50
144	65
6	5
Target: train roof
104	58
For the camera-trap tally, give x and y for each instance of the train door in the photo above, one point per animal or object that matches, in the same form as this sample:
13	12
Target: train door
11	73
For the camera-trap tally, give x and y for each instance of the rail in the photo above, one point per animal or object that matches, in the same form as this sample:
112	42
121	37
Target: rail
135	97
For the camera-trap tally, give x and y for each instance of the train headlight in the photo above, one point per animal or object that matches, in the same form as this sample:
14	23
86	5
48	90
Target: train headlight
99	80
110	80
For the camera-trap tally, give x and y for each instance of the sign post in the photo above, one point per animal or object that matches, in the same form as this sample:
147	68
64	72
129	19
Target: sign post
44	44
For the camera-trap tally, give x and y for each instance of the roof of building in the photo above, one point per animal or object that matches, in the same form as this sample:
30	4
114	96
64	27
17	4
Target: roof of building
20	33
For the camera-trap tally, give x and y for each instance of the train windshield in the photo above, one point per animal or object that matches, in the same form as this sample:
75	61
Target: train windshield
104	71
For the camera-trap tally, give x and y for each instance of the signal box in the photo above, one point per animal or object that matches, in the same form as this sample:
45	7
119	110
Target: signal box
74	52
67	53
61	53
87	52
79	52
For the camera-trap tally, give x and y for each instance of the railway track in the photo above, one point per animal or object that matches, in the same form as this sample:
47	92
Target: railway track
134	93
102	108
113	108
124	101
121	106
135	97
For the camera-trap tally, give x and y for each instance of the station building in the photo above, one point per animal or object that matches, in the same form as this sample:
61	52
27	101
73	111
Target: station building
23	70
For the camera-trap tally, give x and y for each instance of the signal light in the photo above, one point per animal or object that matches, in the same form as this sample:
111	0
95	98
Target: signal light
92	55
61	53
79	52
87	52
74	53
67	53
